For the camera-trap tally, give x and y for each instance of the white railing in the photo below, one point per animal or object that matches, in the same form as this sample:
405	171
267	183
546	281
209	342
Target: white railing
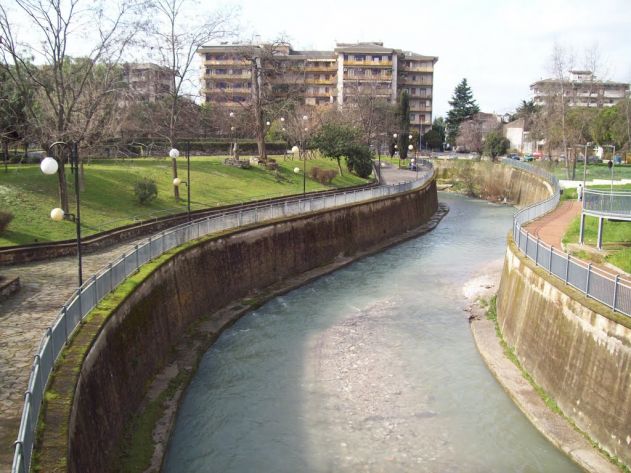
102	283
611	204
593	282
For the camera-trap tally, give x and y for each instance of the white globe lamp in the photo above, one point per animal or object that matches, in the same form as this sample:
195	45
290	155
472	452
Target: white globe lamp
177	181
57	214
295	150
49	165
297	170
174	153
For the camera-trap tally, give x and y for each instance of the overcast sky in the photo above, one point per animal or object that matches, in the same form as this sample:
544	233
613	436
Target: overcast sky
500	46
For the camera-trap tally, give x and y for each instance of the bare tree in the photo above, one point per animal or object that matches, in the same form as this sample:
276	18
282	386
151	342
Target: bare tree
180	30
69	93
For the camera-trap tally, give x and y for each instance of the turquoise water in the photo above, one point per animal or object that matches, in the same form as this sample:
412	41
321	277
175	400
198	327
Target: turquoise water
372	368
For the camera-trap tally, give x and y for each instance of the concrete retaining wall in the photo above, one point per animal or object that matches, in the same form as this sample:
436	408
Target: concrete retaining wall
128	347
495	181
575	348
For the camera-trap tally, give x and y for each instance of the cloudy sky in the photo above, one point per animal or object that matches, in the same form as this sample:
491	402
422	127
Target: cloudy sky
500	46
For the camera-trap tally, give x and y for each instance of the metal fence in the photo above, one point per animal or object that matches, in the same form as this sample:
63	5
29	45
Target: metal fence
592	281
101	284
616	204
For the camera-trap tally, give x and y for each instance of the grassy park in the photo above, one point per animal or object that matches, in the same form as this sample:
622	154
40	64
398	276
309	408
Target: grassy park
616	235
594	171
108	200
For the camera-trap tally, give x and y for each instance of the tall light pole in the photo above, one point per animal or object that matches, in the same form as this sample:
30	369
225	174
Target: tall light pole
50	166
174	153
304	157
232	128
611	163
589	143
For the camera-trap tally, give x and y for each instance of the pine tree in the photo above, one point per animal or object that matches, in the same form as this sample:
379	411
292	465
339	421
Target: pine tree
404	124
462	107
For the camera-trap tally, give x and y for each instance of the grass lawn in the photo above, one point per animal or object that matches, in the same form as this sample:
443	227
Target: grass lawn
616	237
108	200
594	171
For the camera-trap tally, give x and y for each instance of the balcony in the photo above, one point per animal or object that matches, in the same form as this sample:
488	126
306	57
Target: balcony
226	62
417	69
331	93
331	69
332	81
227	76
229	91
367	63
350	78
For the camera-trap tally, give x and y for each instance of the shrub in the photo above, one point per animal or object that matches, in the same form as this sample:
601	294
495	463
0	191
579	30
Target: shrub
5	219
323	176
145	190
359	160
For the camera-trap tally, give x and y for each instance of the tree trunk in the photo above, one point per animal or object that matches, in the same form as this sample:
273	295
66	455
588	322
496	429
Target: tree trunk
339	166
5	155
176	189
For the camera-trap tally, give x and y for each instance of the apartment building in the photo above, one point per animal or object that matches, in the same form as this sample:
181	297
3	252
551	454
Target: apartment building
147	81
581	89
322	78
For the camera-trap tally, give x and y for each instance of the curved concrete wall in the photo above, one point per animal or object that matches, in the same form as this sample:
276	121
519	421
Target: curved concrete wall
495	181
575	348
135	341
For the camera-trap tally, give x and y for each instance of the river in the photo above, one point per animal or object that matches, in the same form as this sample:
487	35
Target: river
371	368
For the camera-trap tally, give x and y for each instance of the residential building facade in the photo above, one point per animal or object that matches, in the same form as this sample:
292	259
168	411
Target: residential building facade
581	89
322	78
147	81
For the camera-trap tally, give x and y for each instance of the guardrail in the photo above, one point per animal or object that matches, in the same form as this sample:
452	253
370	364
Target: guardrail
102	283
611	204
591	281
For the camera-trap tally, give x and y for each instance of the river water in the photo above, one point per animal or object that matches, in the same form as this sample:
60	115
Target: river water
372	368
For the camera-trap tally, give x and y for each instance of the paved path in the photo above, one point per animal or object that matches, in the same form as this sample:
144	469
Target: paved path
551	227
24	318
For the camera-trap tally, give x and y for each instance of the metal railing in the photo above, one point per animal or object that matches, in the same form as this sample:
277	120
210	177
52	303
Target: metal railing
99	285
593	282
612	204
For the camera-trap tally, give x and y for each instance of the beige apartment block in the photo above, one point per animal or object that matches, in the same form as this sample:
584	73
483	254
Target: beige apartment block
322	78
580	89
148	81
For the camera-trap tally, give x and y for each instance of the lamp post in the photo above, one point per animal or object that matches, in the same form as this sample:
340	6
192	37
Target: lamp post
304	157
232	128
585	164
296	151
50	166
611	163
174	153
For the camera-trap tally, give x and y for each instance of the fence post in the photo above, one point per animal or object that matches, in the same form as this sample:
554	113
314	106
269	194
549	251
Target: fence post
49	332
615	291
150	251
109	271
550	260
589	272
96	296
537	252
567	267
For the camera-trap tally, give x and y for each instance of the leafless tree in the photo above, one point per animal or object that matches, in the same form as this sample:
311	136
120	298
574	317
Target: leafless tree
71	95
180	29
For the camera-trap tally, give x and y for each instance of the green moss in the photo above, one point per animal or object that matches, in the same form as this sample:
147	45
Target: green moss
549	401
138	443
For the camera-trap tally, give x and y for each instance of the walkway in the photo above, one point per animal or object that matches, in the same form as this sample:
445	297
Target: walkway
24	318
551	227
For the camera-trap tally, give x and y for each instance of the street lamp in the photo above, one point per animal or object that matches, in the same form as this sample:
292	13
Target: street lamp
296	151
50	166
585	164
611	163
174	153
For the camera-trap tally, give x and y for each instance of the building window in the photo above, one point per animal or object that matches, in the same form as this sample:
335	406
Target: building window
412	117
376	58
359	58
346	57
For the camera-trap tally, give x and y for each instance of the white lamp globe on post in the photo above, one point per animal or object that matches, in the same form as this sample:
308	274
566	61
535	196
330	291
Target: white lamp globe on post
305	117
411	147
282	119
297	170
410	137
231	114
57	214
174	153
177	181
295	149
395	136
49	165
268	123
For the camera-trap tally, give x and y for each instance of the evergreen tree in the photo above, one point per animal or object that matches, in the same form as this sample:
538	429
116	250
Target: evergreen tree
462	107
403	139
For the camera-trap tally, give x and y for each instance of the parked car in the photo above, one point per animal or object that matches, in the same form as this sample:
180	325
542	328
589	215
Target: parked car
528	157
514	156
